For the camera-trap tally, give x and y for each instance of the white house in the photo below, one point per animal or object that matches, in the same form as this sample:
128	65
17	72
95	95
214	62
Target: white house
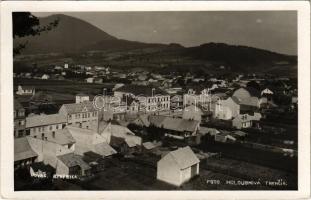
82	97
266	91
227	109
25	90
45	76
178	167
150	99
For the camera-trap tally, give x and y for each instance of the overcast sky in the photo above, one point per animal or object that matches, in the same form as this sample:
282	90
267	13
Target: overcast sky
272	30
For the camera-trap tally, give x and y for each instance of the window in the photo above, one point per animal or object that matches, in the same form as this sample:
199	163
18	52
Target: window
69	117
57	126
88	115
51	128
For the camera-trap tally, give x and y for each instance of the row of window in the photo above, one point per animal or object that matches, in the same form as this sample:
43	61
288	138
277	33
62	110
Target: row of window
19	114
50	128
157	99
83	115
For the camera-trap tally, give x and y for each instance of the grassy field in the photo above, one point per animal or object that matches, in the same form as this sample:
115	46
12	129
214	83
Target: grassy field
61	91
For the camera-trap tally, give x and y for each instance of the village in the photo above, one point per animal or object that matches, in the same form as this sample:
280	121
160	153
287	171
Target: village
135	129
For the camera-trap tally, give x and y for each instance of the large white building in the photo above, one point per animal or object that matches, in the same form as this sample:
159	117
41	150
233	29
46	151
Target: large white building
192	98
150	99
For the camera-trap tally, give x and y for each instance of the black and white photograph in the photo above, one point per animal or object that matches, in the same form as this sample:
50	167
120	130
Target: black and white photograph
161	100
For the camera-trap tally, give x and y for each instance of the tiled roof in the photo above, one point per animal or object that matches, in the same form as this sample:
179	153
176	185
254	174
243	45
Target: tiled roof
184	157
79	107
71	160
140	90
175	124
22	149
104	149
42	120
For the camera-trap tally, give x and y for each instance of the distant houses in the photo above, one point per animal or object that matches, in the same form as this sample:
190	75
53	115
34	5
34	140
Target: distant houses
149	98
178	167
25	90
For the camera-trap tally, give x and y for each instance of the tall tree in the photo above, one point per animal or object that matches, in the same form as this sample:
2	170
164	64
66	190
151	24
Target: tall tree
25	24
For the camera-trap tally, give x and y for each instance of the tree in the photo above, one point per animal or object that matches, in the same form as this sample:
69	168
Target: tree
253	84
26	24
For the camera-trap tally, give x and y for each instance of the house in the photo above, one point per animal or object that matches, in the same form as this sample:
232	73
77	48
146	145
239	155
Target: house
45	77
151	145
81	97
83	115
19	119
192	112
89	80
98	80
266	91
41	170
72	164
176	102
89	140
177	128
178	167
248	96
23	153
25	90
245	120
227	109
120	138
49	146
150	99
202	99
37	124
224	137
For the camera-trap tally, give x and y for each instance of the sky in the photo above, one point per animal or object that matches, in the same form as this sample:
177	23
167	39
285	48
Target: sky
271	30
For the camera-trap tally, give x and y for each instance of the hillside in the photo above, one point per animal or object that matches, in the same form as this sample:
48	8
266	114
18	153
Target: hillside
82	43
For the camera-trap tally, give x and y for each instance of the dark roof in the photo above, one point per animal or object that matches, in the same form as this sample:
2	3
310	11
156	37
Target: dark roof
253	92
41	166
140	90
175	124
22	149
71	160
79	107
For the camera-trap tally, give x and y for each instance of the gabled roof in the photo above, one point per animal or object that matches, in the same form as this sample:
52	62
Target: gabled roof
79	107
140	90
71	160
104	149
42	120
175	124
22	149
184	157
